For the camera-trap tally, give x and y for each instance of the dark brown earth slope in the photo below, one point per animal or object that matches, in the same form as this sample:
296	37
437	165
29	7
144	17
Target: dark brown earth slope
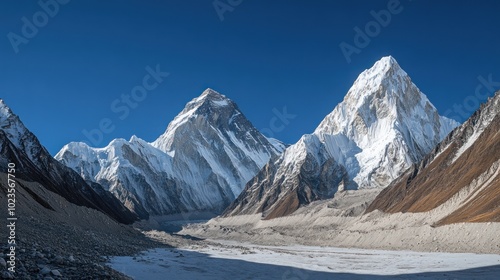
439	177
56	234
34	163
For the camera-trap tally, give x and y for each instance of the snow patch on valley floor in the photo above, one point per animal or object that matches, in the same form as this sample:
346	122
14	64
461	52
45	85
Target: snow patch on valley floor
235	260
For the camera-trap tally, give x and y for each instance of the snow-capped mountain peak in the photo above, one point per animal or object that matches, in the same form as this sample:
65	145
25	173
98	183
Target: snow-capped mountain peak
34	163
201	162
385	112
383	126
212	95
18	134
210	98
4	110
376	93
10	122
209	105
386	66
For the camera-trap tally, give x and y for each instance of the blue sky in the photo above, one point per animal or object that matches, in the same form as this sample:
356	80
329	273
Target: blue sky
265	55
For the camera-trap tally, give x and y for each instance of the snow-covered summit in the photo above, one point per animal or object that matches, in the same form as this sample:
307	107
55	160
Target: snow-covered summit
211	95
208	105
383	126
383	68
4	110
209	98
201	162
17	133
384	112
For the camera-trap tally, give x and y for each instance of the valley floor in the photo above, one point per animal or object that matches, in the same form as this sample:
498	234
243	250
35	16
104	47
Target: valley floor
341	223
331	239
316	242
235	260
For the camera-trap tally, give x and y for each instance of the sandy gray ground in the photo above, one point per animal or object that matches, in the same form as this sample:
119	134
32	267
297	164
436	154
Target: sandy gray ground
340	223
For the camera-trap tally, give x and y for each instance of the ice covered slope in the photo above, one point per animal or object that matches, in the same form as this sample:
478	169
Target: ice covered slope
201	162
462	173
390	121
383	126
34	163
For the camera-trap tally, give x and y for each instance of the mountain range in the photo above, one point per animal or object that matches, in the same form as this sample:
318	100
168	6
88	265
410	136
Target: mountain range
384	135
387	167
201	163
33	163
383	126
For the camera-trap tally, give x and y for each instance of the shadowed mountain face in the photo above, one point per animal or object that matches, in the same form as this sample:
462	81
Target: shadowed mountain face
201	163
383	126
468	160
34	163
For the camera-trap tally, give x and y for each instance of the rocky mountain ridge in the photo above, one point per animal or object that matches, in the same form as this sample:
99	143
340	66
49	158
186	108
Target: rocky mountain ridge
383	126
34	163
470	155
201	163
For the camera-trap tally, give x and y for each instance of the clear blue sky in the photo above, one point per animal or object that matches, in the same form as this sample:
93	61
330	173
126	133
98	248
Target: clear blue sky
263	55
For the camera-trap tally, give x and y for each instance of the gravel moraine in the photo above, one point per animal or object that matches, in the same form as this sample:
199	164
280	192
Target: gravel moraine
47	254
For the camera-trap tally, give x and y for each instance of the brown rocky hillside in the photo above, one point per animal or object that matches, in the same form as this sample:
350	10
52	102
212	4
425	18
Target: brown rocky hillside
468	158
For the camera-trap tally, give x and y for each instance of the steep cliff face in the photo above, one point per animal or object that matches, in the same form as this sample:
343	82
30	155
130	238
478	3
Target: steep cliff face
201	162
383	126
301	175
466	161
390	121
34	163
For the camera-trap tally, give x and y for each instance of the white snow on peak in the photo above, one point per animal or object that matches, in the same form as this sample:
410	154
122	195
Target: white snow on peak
383	125
4	110
220	102
475	128
279	145
191	111
17	133
297	153
212	95
201	162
